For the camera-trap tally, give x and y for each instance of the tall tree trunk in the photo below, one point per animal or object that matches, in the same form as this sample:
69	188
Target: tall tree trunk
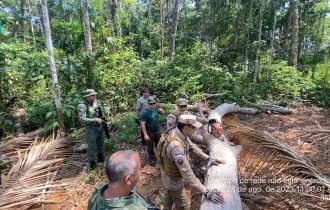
257	66
286	30
114	8
161	29
88	41
273	31
42	25
49	46
168	4
295	34
237	23
174	27
248	37
23	14
31	21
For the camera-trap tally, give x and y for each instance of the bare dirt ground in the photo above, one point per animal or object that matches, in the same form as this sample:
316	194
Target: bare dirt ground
289	129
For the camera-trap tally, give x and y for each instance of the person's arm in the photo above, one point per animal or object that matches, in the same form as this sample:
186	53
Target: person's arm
143	126
181	160
138	108
198	152
82	116
144	130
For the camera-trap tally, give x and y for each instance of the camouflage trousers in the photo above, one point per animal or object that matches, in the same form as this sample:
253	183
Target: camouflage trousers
181	199
153	141
95	140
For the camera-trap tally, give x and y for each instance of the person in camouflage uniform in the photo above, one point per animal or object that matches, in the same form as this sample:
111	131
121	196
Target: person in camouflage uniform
173	155
181	107
89	116
123	171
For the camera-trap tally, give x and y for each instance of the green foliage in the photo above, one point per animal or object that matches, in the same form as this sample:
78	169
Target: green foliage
110	146
125	128
321	93
280	82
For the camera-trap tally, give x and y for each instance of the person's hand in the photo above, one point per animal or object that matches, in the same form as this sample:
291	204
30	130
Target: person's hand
214	162
146	137
99	121
161	111
215	197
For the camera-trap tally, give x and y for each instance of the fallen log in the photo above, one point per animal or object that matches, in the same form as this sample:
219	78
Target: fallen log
223	177
272	108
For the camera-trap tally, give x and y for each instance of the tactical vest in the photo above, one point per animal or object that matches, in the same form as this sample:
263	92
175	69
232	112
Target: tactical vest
168	166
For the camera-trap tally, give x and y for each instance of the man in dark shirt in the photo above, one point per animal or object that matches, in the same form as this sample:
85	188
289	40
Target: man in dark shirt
151	128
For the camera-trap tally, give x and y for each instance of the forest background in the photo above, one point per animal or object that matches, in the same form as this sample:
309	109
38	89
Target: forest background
275	52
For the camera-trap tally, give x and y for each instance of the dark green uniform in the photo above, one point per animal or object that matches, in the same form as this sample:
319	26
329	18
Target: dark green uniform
87	113
132	202
152	120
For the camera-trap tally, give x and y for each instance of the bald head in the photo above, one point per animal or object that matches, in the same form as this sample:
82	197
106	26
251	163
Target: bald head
121	164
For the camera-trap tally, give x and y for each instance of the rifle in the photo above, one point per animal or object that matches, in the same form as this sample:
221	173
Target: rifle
104	124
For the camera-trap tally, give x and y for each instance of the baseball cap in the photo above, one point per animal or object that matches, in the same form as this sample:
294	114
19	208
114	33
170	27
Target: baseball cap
151	100
182	102
190	120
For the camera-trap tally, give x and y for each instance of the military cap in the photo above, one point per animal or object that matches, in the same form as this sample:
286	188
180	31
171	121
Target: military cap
182	102
89	92
190	120
151	100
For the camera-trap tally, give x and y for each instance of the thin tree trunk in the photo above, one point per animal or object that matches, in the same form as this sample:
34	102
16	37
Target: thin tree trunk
49	45
248	38
161	29
23	14
237	25
257	66
42	25
273	31
295	34
173	30
286	30
88	41
31	22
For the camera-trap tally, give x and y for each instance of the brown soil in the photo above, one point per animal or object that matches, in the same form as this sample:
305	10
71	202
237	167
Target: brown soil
289	129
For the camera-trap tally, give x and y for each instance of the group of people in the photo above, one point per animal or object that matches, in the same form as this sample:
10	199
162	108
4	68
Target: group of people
123	168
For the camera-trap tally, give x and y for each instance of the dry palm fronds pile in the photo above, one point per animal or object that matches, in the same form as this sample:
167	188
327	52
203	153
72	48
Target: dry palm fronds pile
10	146
272	176
35	171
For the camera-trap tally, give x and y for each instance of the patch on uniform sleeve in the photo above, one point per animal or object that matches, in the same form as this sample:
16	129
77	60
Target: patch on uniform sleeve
178	154
180	161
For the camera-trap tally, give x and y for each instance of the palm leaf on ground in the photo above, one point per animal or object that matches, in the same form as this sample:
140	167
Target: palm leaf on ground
36	171
275	176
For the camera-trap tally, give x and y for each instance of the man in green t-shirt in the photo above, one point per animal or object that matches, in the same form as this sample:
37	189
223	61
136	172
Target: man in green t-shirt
151	128
123	171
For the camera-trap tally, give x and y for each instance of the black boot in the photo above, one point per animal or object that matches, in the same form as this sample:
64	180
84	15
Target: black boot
92	165
100	158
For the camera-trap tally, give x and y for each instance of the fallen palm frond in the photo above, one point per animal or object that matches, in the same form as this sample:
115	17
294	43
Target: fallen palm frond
22	142
273	176
36	171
